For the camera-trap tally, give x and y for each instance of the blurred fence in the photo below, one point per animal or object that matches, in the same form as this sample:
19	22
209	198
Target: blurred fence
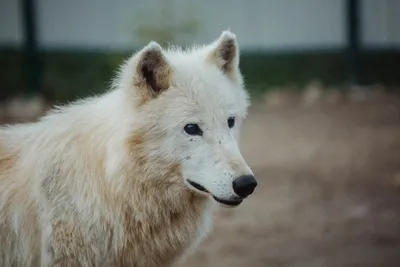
284	43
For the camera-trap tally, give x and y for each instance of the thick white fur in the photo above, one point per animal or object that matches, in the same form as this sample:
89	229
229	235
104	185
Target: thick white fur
103	181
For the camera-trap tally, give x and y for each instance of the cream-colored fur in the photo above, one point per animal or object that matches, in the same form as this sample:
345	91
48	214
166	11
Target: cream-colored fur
104	181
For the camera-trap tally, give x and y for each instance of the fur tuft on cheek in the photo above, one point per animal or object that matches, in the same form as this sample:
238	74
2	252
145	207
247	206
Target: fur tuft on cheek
154	165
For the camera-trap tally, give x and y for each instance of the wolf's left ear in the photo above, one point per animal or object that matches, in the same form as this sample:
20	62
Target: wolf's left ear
153	72
225	54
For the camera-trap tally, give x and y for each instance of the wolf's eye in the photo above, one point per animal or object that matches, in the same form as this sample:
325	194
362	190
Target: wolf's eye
193	129
231	122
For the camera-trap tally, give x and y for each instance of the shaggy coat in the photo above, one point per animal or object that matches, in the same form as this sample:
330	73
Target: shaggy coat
103	181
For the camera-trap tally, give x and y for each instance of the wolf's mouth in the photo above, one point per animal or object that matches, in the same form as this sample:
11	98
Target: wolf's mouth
228	202
198	186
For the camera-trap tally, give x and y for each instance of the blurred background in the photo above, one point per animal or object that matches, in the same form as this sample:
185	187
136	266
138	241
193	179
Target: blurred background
322	135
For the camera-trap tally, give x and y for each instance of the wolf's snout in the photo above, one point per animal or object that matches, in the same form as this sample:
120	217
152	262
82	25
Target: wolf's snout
244	185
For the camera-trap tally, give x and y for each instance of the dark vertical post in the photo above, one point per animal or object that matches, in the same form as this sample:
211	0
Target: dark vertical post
353	41
32	70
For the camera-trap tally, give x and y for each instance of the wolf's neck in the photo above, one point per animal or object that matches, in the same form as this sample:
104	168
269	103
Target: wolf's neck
158	204
164	227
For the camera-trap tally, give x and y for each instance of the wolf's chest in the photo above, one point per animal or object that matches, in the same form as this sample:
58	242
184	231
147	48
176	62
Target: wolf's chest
204	226
167	243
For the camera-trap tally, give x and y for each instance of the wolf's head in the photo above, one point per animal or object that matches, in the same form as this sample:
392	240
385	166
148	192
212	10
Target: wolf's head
189	107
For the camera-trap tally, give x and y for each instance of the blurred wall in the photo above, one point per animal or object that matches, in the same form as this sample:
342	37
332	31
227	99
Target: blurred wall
381	23
260	24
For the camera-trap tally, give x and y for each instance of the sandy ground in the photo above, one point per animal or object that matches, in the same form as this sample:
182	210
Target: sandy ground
328	195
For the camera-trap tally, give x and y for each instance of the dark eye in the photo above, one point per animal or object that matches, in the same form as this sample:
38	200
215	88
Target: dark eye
193	129
231	122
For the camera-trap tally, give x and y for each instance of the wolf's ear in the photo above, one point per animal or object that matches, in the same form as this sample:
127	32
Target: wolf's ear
225	54
153	72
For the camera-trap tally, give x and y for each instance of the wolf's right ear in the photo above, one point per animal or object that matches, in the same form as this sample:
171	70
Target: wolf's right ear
225	54
152	72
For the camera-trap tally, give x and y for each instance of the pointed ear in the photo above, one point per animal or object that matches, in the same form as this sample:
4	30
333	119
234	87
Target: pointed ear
225	54
153	72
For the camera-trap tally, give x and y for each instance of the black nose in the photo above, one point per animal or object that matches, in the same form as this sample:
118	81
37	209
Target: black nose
244	185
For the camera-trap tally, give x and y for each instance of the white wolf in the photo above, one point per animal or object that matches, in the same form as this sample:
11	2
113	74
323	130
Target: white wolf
131	177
